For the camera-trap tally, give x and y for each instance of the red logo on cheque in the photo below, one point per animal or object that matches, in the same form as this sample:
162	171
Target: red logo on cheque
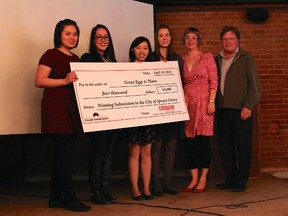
166	107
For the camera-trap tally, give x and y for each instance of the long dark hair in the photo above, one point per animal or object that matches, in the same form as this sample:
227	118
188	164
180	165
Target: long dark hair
109	52
59	29
170	54
135	43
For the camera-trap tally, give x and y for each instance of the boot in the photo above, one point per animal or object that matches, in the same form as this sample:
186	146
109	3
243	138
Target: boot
97	197
106	170
94	173
106	193
56	199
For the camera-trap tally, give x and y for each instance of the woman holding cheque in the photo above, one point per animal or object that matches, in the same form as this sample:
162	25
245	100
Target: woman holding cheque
168	133
101	50
59	115
140	138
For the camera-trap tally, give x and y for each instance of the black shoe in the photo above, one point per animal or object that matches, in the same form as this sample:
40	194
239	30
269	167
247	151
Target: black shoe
56	203
238	189
170	191
98	198
159	193
224	185
108	196
77	206
138	197
148	197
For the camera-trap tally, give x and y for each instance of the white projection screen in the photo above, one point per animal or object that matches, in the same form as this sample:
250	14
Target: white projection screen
27	29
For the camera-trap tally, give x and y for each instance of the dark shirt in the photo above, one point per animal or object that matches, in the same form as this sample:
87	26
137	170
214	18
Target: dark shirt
59	112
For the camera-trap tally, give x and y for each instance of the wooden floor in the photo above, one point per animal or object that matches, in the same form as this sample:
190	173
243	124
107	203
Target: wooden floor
265	196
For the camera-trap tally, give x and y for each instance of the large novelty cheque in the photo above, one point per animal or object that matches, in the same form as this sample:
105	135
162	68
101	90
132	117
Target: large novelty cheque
121	95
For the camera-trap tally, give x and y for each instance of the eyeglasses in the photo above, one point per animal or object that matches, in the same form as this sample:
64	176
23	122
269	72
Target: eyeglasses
228	39
190	38
100	38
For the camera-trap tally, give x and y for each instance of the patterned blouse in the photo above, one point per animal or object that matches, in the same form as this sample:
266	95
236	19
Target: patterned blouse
197	84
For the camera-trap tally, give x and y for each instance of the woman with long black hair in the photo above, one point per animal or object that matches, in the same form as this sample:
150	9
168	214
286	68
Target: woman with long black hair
101	50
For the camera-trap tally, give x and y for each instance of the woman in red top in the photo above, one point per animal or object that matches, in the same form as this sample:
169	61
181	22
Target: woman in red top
59	114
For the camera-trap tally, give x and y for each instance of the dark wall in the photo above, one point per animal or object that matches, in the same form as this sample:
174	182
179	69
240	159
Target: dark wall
29	158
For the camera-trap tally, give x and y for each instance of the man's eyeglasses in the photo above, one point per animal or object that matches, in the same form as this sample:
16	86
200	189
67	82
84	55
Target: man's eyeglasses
101	38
